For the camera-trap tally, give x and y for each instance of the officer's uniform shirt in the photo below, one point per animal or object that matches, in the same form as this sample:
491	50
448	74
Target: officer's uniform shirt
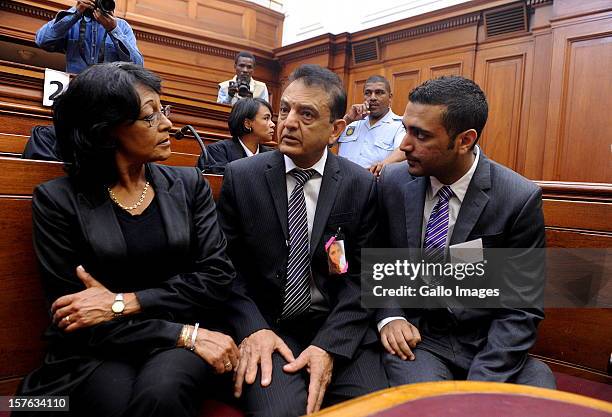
366	145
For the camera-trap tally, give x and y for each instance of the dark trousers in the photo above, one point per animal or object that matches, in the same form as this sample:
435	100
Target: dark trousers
287	394
428	366
171	383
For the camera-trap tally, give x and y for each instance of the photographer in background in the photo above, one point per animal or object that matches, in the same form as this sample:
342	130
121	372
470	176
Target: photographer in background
89	34
242	85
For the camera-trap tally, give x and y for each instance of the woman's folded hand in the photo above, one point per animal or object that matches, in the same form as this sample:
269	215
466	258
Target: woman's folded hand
85	308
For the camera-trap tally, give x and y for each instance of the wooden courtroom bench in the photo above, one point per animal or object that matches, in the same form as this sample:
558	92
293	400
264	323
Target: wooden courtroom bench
577	343
21	92
574	342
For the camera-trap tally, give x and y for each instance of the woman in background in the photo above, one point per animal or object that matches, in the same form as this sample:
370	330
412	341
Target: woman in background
132	259
250	124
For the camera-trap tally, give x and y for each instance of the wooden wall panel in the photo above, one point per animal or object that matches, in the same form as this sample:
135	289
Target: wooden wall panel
356	96
578	125
446	69
501	76
404	76
534	121
588	86
401	84
221	18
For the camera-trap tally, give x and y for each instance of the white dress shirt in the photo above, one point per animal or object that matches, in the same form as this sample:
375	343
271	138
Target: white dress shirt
459	188
311	195
247	150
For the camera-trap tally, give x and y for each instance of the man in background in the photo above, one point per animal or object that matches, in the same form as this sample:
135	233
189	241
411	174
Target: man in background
243	84
89	34
374	132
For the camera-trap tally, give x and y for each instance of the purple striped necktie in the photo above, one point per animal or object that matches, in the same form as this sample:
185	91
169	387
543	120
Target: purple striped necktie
437	227
297	288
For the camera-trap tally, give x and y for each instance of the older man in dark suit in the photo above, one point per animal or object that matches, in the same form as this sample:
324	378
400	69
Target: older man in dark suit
451	193
300	320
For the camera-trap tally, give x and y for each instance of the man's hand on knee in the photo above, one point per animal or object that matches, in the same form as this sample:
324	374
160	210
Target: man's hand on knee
256	350
319	365
399	337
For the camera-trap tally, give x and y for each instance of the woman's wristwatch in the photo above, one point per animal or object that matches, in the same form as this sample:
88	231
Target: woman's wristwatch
118	305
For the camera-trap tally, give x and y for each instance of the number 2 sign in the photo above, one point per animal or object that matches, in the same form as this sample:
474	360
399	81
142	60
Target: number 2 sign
55	83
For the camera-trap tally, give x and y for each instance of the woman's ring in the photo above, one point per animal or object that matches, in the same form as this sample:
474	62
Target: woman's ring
228	365
67	318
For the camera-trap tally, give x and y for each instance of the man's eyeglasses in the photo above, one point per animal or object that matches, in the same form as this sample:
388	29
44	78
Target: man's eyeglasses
154	118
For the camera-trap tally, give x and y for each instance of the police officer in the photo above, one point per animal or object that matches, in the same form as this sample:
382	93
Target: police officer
373	131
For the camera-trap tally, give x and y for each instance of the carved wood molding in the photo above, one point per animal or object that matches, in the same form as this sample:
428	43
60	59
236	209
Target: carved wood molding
27	10
185	44
440	26
331	46
307	52
538	3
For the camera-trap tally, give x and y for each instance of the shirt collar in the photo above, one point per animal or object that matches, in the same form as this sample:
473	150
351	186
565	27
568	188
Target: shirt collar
387	118
247	150
460	186
318	166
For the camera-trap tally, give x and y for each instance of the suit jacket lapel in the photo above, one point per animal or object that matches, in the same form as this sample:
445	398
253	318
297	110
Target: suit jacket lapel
277	184
172	205
414	201
474	202
330	184
100	224
237	151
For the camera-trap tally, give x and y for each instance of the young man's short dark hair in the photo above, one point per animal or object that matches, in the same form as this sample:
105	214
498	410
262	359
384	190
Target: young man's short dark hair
311	74
244	54
466	104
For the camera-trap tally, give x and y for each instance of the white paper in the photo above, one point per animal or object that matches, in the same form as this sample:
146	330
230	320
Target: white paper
467	252
55	83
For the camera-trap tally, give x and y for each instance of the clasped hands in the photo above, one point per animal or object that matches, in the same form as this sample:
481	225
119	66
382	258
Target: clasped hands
256	351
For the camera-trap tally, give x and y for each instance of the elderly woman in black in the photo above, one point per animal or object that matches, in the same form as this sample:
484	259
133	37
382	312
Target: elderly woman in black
133	262
250	124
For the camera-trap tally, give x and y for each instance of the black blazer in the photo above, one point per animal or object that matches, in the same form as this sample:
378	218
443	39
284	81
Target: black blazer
253	214
505	210
73	226
224	152
42	144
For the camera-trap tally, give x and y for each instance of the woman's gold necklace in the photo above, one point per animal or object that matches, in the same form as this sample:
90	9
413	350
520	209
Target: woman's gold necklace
133	207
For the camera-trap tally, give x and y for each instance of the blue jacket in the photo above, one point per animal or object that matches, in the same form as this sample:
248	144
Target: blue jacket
62	35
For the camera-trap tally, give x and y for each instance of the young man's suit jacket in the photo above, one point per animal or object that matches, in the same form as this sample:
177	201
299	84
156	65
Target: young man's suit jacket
505	210
253	215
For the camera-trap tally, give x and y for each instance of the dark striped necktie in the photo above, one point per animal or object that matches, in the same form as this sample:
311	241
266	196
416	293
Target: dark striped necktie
437	227
297	287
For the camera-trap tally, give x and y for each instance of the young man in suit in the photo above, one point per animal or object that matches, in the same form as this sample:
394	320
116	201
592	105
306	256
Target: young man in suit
448	193
304	336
